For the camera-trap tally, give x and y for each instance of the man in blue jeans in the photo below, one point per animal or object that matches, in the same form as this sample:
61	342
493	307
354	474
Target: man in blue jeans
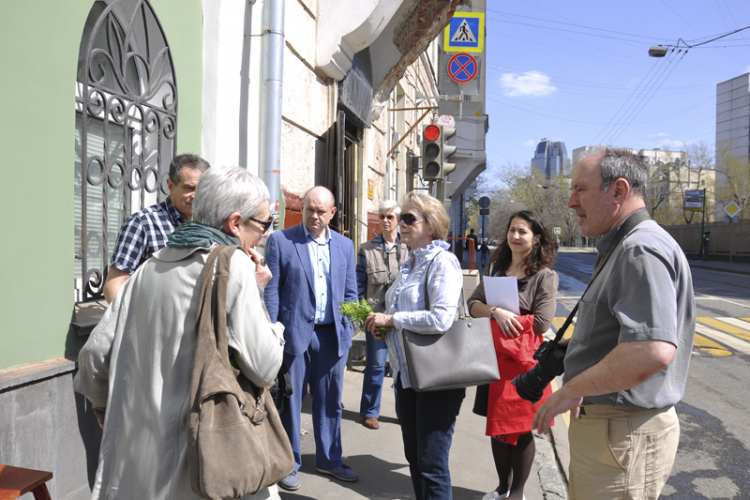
378	265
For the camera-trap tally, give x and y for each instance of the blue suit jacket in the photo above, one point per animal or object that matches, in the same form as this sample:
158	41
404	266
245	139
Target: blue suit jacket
290	295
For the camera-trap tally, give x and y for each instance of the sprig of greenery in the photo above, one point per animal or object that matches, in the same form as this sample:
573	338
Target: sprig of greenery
357	311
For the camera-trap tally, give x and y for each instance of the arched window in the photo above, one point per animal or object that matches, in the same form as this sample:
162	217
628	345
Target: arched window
126	129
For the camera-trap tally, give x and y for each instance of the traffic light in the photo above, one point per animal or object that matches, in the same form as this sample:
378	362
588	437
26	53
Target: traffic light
435	152
432	152
447	151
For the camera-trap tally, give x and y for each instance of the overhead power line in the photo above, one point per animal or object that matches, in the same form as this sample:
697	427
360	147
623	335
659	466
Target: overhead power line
642	95
682	44
645	38
636	111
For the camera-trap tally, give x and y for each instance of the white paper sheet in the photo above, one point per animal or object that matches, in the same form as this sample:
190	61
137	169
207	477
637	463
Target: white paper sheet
502	292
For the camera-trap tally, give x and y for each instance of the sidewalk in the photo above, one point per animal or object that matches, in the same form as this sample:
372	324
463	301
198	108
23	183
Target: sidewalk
721	265
378	457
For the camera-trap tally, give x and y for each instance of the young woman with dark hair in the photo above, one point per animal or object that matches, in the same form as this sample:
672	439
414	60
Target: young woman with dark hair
526	253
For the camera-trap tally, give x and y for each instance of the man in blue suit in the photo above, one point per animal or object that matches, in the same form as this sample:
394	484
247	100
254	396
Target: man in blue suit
313	272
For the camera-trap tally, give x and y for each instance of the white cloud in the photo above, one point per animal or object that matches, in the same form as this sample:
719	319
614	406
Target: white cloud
530	83
660	134
530	142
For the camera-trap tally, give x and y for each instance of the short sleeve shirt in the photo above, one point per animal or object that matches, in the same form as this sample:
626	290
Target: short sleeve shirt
644	292
144	233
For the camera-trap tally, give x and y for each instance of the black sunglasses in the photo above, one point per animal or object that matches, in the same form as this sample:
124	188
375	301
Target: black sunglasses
264	224
409	219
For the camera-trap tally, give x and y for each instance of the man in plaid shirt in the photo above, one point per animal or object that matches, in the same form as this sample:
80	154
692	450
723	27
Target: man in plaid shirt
148	230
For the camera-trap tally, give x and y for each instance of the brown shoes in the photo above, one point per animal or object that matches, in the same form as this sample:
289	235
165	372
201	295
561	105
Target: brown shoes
371	423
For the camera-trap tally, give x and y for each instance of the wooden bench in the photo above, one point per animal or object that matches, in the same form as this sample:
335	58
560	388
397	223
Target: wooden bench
15	481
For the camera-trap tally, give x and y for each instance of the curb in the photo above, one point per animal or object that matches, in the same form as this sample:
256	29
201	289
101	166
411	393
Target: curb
709	267
551	477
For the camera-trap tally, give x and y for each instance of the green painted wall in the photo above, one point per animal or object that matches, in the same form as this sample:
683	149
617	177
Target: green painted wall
38	66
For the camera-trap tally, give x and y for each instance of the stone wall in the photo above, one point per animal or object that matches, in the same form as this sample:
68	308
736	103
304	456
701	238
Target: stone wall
45	425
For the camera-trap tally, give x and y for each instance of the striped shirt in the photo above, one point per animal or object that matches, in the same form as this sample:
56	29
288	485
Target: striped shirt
406	300
144	233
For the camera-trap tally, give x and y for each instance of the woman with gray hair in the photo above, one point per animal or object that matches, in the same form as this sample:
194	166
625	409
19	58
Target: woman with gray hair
378	264
136	366
427	419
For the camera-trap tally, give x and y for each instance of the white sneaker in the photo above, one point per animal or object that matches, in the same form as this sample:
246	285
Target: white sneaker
494	495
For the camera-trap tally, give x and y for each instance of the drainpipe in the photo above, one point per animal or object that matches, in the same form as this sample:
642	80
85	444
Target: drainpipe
271	98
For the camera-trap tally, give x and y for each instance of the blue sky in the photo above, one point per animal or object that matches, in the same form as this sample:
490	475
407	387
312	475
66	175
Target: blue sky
579	71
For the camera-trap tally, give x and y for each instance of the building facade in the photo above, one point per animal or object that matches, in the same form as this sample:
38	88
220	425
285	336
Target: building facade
733	119
733	144
104	93
549	158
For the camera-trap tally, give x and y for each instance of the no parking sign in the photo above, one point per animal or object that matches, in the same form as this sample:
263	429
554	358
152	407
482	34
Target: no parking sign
462	68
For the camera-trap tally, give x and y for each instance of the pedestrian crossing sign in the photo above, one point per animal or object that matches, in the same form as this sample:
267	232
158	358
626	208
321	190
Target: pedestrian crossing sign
465	33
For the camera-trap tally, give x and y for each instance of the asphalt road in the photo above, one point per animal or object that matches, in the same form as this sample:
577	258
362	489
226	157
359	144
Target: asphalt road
713	460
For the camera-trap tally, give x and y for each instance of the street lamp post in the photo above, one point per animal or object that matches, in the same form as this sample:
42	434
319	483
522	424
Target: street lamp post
657	51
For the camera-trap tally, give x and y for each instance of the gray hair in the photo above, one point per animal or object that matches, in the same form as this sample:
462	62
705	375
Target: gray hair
618	163
226	190
389	205
187	160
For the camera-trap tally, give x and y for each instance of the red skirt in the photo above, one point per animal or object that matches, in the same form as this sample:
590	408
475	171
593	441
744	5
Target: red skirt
507	413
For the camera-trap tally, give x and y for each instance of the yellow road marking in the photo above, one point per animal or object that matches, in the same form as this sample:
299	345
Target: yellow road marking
725	327
557	323
744	325
710	347
730	341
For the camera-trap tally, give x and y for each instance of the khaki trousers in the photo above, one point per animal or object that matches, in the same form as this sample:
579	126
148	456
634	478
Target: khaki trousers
621	453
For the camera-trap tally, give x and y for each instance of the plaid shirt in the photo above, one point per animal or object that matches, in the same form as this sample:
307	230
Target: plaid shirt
406	301
143	234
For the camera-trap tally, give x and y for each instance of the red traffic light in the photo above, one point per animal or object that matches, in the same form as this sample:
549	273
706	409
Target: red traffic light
432	133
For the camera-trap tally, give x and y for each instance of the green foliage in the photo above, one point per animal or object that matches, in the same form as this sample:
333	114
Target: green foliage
357	311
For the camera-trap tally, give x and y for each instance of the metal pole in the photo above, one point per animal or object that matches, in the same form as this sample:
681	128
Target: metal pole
271	98
703	224
731	241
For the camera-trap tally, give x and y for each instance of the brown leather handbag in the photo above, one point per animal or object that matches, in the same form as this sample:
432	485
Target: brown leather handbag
236	444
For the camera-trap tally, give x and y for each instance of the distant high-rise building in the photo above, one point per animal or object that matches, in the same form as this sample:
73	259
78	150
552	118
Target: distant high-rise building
549	158
733	119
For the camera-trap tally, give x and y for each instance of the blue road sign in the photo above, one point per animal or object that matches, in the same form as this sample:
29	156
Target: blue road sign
465	33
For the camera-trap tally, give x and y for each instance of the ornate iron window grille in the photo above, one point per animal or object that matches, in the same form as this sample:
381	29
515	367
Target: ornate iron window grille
126	127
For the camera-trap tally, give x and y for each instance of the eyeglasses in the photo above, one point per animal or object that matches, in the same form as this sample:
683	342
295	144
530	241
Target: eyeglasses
387	217
409	219
264	224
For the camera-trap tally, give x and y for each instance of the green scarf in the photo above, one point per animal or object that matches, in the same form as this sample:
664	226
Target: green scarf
194	234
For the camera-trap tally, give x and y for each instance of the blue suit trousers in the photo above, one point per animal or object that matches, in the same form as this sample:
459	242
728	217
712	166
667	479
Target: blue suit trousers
323	369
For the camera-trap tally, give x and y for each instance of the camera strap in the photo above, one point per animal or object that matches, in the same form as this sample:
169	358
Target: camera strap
630	223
